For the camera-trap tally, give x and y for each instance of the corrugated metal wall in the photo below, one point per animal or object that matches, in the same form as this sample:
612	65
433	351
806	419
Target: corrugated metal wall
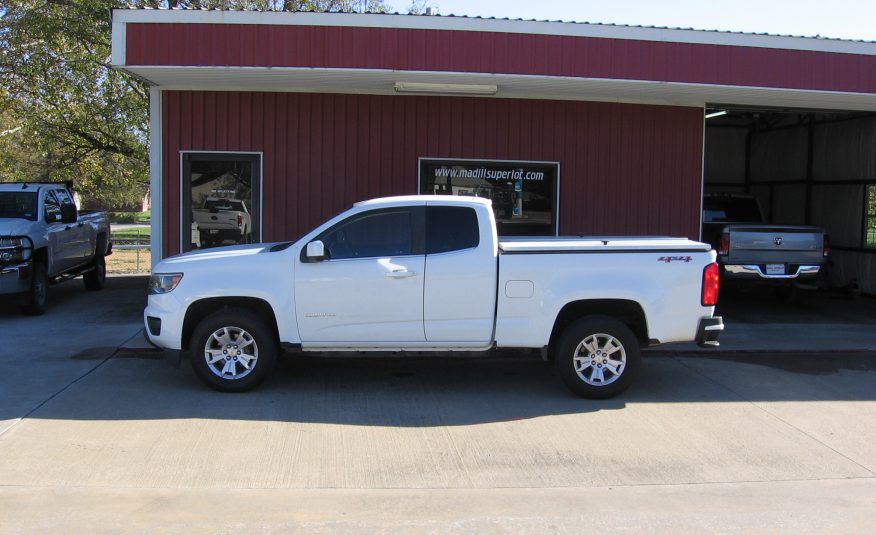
624	168
494	52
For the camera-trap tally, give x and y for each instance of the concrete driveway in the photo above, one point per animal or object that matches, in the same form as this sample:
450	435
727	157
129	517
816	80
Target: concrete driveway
102	441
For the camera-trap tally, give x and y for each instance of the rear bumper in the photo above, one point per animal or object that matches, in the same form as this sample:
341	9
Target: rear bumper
708	331
759	271
220	234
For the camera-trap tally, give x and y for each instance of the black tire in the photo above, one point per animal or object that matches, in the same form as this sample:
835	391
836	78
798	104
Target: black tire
95	279
233	325
607	333
35	299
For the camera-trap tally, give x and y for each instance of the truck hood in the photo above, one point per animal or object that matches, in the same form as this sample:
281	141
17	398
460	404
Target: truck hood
197	258
15	227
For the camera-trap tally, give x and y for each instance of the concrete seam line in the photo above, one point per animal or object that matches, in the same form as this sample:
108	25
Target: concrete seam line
13	486
62	390
777	417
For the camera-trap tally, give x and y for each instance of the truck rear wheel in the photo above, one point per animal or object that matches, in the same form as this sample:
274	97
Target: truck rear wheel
233	350
597	357
96	278
35	299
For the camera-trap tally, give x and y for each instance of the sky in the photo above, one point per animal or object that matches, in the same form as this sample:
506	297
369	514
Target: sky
843	19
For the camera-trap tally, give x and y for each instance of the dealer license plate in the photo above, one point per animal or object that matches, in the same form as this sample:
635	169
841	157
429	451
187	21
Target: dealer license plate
775	269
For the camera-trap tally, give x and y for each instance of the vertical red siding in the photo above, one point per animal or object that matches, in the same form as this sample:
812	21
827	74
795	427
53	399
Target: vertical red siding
493	52
624	168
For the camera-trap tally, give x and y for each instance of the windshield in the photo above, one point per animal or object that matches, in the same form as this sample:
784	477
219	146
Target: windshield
224	205
18	205
731	210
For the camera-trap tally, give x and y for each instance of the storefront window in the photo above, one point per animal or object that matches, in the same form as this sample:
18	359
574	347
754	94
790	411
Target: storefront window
524	194
221	200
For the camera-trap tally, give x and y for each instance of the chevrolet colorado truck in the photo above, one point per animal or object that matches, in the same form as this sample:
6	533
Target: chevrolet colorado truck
428	273
45	240
751	251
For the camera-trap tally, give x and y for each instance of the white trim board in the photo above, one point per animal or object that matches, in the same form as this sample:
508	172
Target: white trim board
156	172
474	24
381	82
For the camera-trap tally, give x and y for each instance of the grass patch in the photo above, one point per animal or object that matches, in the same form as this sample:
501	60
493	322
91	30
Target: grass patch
129	217
137	261
140	235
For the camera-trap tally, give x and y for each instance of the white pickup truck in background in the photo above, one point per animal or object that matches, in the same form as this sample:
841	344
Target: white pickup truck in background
223	220
428	273
45	240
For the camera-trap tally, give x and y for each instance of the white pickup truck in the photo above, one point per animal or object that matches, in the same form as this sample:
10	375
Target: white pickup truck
222	220
428	273
44	240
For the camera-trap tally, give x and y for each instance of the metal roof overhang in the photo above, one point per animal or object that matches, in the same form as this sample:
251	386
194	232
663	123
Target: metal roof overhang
382	82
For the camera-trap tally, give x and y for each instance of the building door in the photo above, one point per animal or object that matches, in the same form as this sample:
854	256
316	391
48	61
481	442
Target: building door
221	199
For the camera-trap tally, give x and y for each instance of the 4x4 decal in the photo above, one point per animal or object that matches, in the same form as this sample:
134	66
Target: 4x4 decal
669	259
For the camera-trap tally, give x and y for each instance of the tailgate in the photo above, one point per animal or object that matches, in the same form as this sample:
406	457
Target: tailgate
760	244
218	221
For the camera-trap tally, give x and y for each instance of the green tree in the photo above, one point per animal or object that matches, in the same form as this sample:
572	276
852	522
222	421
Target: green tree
65	113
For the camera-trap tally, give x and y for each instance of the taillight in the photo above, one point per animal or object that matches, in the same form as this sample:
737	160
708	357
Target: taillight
711	282
724	246
826	245
239	220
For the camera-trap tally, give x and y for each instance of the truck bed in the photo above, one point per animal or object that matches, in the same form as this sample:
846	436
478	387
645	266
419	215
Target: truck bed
599	244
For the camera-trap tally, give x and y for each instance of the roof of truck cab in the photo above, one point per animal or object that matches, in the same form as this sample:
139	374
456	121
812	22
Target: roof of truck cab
31	186
413	199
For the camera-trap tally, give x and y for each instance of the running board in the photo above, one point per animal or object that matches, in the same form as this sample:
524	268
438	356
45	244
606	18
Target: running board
72	275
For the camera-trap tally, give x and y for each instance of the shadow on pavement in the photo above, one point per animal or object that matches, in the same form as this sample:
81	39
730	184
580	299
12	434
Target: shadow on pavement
427	392
123	298
419	391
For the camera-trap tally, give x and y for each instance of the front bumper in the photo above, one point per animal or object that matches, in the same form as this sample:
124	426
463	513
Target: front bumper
759	271
166	313
172	356
15	279
708	331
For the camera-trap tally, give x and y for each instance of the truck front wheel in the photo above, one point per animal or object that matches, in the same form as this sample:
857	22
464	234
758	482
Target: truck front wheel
597	357
35	299
232	350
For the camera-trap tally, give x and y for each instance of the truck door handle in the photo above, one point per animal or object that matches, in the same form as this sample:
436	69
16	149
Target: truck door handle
400	274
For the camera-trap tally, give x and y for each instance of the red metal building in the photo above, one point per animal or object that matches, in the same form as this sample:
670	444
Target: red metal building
304	114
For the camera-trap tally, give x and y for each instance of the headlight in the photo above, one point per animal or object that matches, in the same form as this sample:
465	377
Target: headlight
162	283
16	249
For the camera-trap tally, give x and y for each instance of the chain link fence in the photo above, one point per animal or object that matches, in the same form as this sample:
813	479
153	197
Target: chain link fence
131	251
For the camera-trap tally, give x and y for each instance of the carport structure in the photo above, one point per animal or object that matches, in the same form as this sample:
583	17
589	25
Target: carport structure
321	110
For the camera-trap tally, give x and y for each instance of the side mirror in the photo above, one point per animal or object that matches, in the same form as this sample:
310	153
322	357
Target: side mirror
68	213
315	252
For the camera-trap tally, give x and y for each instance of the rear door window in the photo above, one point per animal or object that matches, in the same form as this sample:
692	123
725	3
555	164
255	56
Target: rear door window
451	228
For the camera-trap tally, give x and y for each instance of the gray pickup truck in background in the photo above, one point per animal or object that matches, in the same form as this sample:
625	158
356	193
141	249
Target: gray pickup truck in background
45	240
752	251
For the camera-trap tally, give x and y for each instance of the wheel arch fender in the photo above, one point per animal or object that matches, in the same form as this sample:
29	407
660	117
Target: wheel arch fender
202	308
626	311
